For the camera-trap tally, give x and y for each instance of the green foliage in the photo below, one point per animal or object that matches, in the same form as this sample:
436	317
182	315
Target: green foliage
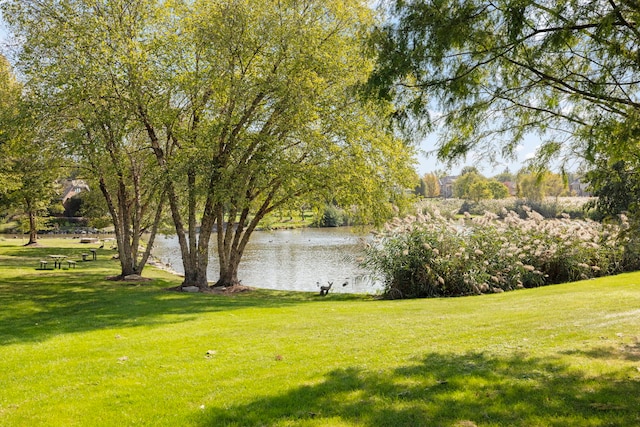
574	207
94	208
462	185
546	208
30	158
505	176
333	216
469	169
428	255
535	187
471	208
479	190
248	107
432	185
473	186
530	187
73	206
498	190
616	186
10	92
499	71
429	186
421	188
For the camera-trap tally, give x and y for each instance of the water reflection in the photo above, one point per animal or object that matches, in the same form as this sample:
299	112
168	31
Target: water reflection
300	260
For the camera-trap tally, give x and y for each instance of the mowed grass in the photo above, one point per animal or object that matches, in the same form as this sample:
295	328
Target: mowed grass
78	350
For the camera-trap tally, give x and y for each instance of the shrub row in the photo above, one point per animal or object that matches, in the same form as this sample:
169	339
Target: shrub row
429	255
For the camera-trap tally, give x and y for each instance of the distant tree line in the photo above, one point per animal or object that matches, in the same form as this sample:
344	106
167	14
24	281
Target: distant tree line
472	185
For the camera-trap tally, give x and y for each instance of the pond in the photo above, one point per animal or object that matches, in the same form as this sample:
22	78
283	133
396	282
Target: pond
298	260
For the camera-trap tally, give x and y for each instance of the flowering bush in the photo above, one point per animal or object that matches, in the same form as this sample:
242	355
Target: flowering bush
429	255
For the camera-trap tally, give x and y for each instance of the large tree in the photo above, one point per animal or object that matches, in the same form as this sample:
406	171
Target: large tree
10	93
247	106
30	161
536	186
117	159
311	135
496	71
616	186
432	185
69	72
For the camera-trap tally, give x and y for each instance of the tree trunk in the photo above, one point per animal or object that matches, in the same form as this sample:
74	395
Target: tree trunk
228	255
193	275
194	248
194	251
116	217
33	228
126	263
233	239
128	237
152	236
202	255
229	271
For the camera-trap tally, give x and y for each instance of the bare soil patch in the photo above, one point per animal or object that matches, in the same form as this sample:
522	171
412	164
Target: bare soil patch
218	290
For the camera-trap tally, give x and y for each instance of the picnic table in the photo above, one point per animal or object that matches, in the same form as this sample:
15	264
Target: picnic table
57	260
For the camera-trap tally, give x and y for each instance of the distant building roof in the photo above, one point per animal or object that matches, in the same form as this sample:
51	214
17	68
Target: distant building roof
71	187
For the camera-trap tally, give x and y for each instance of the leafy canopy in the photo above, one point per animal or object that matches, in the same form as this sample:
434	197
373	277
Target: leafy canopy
245	106
496	71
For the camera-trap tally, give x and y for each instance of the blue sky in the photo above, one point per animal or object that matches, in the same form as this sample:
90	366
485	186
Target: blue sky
3	33
487	166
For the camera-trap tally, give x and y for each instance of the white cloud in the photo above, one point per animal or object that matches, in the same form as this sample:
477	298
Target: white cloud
532	154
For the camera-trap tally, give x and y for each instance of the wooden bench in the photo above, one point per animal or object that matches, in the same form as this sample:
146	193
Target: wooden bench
324	290
43	264
71	264
84	257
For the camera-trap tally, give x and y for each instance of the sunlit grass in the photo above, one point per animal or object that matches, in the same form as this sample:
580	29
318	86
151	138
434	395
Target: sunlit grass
77	349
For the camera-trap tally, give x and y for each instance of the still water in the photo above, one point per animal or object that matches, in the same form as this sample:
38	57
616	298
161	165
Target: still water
299	260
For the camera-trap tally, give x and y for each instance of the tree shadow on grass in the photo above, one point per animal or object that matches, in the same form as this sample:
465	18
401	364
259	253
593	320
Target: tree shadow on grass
40	304
449	390
618	351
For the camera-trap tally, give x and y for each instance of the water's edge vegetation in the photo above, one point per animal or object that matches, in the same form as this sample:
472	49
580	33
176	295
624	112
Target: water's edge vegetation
439	254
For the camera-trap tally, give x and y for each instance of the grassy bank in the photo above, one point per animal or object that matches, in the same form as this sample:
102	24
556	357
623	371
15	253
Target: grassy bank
76	349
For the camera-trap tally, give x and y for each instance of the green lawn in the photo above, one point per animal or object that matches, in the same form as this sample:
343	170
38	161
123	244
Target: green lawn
78	350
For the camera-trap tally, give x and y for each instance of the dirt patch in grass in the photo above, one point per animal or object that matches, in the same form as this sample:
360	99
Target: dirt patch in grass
229	290
129	279
632	351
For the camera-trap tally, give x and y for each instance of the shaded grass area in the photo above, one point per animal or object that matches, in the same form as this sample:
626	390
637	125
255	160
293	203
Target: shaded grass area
76	349
450	389
82	299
